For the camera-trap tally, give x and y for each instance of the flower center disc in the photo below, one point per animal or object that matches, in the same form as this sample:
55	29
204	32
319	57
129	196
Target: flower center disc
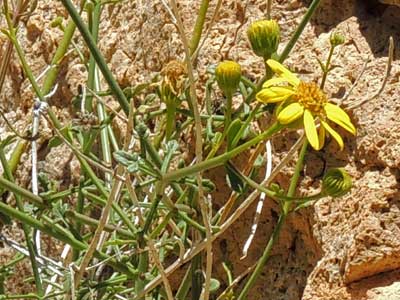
310	96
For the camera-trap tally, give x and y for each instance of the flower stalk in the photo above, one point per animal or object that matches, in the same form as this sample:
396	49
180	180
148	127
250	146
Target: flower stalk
221	159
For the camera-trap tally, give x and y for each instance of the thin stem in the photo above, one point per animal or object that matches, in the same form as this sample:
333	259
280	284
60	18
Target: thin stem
245	125
113	197
198	27
275	234
24	218
228	111
54	231
271	193
30	245
269	8
91	84
221	159
264	258
58	57
205	211
297	170
299	30
326	67
94	50
80	218
115	193
47	86
25	66
11	186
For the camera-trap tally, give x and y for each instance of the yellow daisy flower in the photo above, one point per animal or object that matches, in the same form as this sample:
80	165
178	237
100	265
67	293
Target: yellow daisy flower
306	100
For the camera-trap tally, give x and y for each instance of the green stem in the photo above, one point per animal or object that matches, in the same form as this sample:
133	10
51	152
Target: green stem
264	258
197	277
119	94
245	125
25	66
27	69
297	170
221	159
271	194
124	217
62	49
198	27
170	115
24	218
16	155
11	186
30	245
153	210
54	231
275	234
92	63
326	68
269	8
184	287
228	111
152	152
299	30
46	88
80	218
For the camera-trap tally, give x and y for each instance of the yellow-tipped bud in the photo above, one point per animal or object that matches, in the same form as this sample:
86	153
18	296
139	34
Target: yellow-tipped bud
337	39
264	37
336	182
228	75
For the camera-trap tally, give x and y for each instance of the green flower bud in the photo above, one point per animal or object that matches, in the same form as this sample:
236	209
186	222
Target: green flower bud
264	37
337	39
57	22
89	6
336	182
142	130
228	75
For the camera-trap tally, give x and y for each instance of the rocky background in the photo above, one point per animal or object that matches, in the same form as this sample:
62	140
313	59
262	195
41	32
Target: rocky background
346	248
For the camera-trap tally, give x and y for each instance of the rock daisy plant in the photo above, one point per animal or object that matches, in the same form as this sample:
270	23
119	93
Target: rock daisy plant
151	197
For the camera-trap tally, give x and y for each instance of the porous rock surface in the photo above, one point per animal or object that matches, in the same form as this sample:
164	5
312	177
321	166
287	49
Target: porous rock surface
346	248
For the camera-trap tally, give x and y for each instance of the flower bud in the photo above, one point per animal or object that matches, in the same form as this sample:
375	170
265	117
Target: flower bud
336	182
228	75
337	39
264	37
142	130
57	22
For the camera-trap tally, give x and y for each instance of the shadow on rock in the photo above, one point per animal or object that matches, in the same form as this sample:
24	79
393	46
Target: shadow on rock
377	22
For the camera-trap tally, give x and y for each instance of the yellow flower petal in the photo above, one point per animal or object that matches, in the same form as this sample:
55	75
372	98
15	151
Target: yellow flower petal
321	137
340	117
274	94
311	129
334	134
274	82
290	113
281	71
